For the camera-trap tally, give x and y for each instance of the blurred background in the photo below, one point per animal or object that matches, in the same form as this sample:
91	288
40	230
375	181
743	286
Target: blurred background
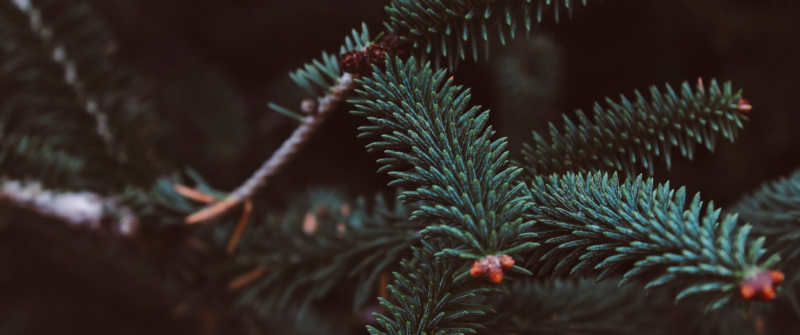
212	66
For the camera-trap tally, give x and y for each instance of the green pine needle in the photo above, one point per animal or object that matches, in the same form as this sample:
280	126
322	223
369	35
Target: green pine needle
425	124
593	222
453	28
630	134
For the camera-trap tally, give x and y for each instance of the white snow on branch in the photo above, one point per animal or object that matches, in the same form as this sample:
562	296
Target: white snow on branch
79	209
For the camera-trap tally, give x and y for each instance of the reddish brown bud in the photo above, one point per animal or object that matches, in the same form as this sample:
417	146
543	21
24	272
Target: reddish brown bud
496	275
353	61
744	105
478	269
777	277
394	45
506	262
761	286
376	54
493	265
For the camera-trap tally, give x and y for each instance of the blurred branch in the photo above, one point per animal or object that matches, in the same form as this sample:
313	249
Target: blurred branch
79	209
71	77
283	155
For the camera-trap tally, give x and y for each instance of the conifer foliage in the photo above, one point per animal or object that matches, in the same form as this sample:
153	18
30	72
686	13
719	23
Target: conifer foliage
629	133
449	28
593	222
458	251
774	211
424	122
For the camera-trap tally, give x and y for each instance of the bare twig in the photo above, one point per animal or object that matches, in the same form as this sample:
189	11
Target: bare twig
246	278
194	194
283	155
79	209
237	234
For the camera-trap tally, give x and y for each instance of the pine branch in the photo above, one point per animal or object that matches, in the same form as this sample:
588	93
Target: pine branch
774	212
59	56
44	133
582	308
77	39
315	247
424	123
78	209
319	78
443	28
34	156
323	80
593	222
629	133
280	157
431	299
587	308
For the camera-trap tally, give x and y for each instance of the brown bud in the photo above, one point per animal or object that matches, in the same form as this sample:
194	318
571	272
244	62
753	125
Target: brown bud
376	54
744	105
478	268
353	61
761	286
493	266
496	275
506	262
394	45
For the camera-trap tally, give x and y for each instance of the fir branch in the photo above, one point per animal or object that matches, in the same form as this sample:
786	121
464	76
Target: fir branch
71	78
774	212
629	133
44	133
582	308
106	86
323	80
593	222
319	78
78	209
36	157
443	28
280	157
315	247
431	299
424	123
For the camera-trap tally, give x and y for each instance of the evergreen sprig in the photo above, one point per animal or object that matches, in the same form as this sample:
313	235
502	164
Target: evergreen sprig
319	245
581	308
44	133
443	28
774	212
594	222
69	102
424	124
430	299
108	88
627	134
319	77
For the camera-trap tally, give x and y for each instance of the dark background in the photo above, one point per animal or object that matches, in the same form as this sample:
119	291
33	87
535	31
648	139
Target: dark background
233	56
225	60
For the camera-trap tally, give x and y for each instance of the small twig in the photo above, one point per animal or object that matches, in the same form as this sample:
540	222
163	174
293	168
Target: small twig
194	194
246	278
79	209
283	155
237	234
